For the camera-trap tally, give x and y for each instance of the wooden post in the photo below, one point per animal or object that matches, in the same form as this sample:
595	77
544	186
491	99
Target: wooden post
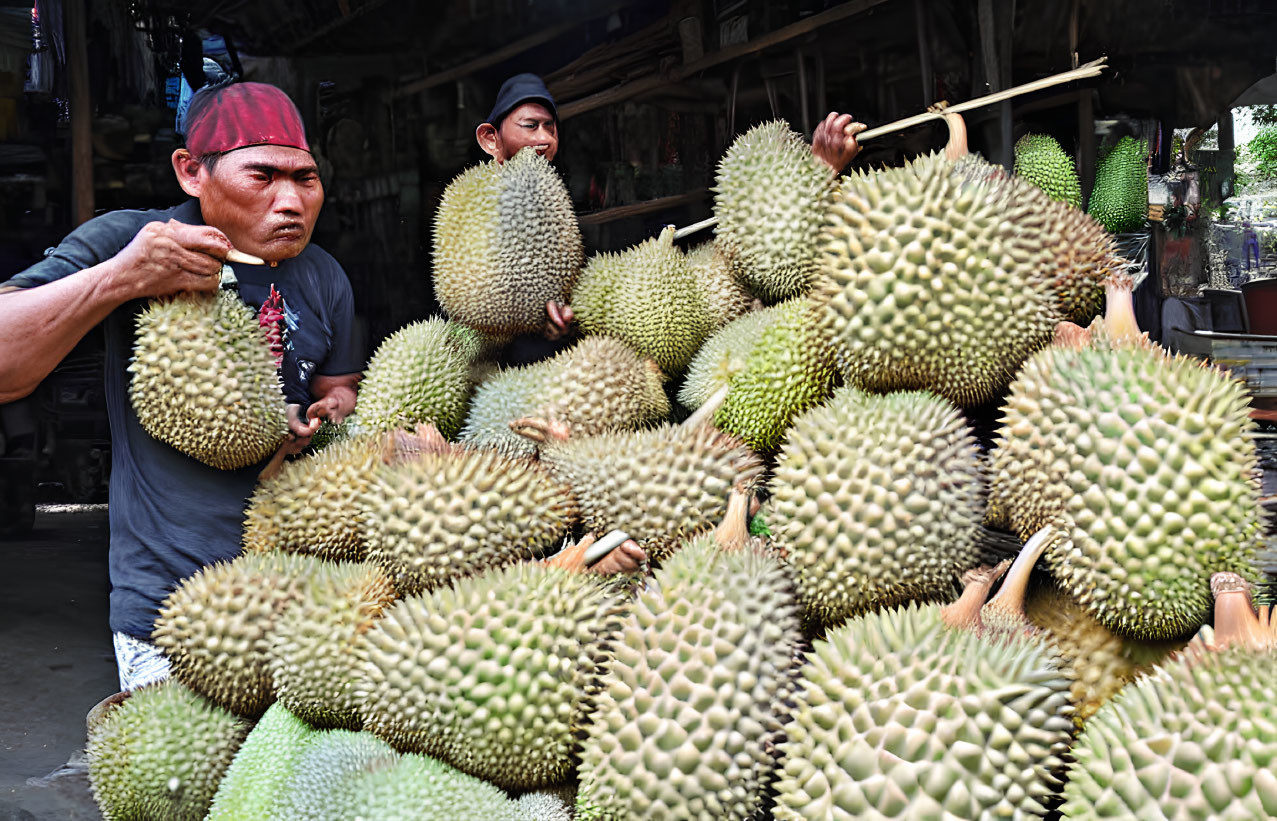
1086	143
81	111
924	53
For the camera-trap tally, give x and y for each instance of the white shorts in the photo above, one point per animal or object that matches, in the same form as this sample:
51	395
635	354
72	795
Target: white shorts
140	662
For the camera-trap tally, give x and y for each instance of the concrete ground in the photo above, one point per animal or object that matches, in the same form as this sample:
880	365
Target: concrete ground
57	662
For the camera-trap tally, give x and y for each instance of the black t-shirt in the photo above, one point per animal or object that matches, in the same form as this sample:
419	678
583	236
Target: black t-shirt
171	515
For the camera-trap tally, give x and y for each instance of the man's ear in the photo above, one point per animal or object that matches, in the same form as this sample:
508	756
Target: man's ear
489	140
187	169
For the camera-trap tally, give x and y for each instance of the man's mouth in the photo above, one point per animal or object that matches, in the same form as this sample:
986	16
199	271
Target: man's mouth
292	230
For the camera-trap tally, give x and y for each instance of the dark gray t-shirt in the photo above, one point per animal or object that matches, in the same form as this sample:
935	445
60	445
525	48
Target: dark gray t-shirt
171	515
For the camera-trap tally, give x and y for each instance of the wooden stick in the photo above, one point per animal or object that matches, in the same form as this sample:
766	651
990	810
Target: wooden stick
1091	69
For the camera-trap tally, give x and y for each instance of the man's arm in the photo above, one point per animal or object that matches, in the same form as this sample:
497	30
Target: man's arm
40	325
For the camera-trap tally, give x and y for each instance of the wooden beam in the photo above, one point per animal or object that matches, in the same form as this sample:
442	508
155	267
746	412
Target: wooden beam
652	82
332	25
636	209
512	50
81	111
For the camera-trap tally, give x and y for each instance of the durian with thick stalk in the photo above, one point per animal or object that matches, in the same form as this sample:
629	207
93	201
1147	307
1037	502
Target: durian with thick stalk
419	374
506	242
204	379
770	196
878	501
160	754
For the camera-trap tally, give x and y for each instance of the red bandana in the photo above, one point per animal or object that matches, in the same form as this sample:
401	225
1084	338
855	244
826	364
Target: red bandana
242	114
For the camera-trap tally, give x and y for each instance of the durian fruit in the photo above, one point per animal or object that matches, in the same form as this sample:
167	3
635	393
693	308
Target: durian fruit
329	761
901	716
160	754
1119	198
264	764
216	626
696	694
493	675
661	486
770	196
443	516
937	279
329	433
1143	465
1040	160
1082	258
311	505
722	357
419	374
648	297
726	297
790	369
1194	740
312	648
204	380
597	385
542	806
506	242
877	500
419	787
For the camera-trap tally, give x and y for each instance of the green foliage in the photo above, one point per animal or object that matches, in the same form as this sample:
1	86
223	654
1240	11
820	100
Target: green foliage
1261	154
1263	115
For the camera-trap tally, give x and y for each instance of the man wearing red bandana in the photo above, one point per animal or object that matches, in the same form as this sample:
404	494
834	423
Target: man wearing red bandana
255	188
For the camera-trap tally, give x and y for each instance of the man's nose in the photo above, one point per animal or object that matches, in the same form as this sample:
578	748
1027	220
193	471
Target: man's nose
288	198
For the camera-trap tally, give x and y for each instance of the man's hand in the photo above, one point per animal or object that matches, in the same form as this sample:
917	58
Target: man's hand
560	320
169	257
627	557
834	141
336	401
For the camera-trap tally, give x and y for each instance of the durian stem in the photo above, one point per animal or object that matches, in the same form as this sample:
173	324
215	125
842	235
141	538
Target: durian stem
1006	609
956	148
732	533
541	430
276	463
1071	335
573	557
1236	621
705	413
964	613
1119	308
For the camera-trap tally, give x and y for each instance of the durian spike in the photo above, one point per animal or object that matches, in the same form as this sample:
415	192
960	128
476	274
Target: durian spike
1005	611
1071	335
1236	621
705	413
541	430
572	558
964	614
733	532
956	148
1119	308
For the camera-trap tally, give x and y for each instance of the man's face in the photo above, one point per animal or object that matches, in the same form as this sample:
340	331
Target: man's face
265	198
529	124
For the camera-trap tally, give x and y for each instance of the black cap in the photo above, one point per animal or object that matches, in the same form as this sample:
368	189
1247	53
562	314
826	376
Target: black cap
517	90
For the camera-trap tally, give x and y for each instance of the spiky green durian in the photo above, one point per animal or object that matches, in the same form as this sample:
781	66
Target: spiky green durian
725	295
724	355
1144	466
902	716
419	787
790	369
1040	160
506	242
264	764
215	627
204	380
419	374
878	500
694	699
160	754
492	675
542	806
599	384
329	433
770	196
312	655
647	297
1119	199
330	760
311	505
442	516
1196	739
937	279
661	486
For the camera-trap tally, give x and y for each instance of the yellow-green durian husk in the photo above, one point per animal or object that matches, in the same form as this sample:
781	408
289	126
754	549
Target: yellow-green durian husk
204	380
506	242
420	374
770	196
724	355
725	295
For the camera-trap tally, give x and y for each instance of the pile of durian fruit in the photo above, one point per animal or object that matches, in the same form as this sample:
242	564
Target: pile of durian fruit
403	639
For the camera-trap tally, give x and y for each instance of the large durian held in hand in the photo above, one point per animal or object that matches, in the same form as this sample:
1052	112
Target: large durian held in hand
1197	739
770	195
205	380
937	278
506	242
